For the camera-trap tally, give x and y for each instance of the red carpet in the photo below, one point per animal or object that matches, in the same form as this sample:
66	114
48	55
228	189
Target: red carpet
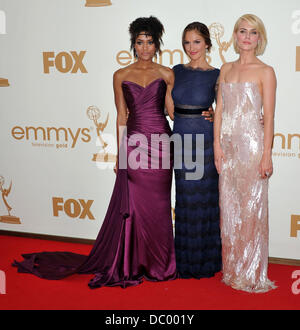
24	291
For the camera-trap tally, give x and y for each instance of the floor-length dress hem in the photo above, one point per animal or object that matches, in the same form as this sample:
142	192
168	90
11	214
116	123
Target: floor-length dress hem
136	239
243	193
257	288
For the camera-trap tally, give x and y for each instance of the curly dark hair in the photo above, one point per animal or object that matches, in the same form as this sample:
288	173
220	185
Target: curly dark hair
202	29
151	26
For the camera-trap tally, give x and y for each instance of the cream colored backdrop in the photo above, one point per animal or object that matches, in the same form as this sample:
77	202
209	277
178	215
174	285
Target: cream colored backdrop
57	60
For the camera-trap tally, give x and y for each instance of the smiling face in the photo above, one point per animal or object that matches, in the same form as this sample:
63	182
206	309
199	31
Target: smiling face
144	46
194	45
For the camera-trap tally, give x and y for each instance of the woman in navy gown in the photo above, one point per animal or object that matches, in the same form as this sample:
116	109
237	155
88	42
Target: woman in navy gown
197	231
136	238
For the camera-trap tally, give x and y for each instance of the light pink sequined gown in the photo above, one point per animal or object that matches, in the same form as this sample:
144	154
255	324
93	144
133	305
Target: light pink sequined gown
243	194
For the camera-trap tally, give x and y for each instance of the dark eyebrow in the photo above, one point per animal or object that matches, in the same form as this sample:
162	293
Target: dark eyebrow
192	40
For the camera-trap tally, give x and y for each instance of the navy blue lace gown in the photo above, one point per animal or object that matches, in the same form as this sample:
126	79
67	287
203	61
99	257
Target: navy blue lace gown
197	219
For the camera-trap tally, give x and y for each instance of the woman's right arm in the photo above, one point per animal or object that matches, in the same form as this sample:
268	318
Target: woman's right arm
218	152
121	110
169	104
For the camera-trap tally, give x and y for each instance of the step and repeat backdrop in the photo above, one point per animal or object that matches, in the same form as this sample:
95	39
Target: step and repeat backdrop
57	113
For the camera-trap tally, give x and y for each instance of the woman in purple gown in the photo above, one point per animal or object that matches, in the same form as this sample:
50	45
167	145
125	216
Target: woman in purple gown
136	238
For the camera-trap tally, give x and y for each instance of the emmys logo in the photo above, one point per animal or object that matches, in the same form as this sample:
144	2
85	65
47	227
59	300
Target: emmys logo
289	142
170	57
3	82
64	62
5	192
2	282
66	137
296	284
295	225
73	208
298	58
106	142
61	134
217	32
97	3
167	57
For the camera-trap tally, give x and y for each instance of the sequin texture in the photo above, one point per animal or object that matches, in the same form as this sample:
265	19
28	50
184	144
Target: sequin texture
243	193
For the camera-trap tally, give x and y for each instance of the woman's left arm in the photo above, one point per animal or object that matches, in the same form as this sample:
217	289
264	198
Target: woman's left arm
269	85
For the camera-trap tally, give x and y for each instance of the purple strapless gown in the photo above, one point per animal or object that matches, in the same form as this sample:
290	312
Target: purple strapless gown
136	237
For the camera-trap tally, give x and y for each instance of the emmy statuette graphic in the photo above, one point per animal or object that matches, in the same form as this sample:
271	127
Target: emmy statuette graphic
97	3
94	114
5	192
217	31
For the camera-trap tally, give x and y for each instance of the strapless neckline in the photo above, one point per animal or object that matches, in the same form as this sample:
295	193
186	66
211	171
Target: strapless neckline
251	83
134	83
239	82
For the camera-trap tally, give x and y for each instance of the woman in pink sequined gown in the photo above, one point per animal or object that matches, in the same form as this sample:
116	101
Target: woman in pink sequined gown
242	148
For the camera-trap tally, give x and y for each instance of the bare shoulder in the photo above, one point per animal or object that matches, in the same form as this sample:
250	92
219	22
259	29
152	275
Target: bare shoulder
269	70
120	74
164	69
264	68
226	67
267	73
166	72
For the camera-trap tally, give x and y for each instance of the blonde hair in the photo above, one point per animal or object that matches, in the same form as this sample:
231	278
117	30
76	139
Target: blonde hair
257	23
